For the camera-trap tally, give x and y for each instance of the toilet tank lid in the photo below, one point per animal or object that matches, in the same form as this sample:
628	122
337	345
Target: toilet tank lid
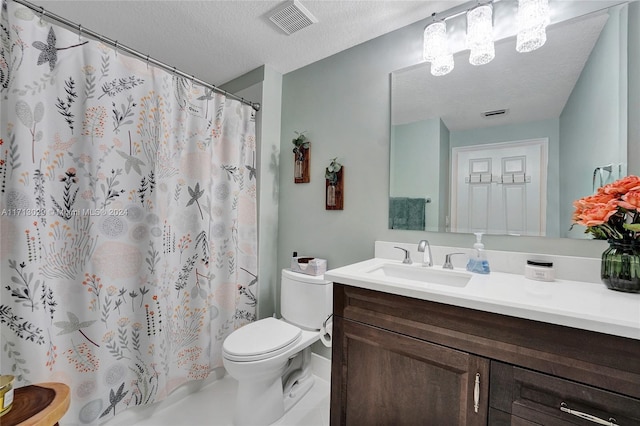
261	337
305	278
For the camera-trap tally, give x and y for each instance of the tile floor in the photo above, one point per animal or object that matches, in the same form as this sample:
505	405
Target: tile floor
213	406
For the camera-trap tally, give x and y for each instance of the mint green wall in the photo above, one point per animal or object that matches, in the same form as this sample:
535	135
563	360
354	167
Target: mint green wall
343	102
264	85
415	154
522	131
633	121
444	176
590	117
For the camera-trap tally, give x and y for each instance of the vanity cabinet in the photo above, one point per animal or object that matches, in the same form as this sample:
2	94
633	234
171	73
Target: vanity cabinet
403	361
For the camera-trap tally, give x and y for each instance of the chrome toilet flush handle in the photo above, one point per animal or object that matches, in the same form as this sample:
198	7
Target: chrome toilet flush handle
407	256
324	324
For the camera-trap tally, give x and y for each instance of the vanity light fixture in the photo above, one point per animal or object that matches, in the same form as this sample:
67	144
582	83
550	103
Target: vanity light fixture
480	35
532	20
436	48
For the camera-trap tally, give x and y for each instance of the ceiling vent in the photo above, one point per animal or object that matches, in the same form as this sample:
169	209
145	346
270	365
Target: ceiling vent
292	17
494	113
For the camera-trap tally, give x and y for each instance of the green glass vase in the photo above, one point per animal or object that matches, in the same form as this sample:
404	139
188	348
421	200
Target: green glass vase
620	268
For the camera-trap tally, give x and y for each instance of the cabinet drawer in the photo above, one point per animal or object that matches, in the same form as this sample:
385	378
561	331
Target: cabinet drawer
536	398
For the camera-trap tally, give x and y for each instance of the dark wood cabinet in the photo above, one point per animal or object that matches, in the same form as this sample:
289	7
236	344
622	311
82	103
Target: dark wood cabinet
407	381
404	361
543	399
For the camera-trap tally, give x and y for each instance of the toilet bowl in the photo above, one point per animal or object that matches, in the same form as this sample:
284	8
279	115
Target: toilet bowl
270	358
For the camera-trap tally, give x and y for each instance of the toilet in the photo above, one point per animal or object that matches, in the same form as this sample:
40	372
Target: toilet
270	358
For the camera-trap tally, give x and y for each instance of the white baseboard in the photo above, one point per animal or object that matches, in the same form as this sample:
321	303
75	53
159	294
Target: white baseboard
321	367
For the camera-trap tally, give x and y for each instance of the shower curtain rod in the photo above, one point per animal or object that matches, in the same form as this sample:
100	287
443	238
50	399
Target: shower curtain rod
117	46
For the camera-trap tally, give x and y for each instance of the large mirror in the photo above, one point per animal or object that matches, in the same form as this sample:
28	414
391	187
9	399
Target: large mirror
506	147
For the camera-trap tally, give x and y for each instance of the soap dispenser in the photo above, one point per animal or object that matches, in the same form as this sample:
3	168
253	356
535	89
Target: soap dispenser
478	262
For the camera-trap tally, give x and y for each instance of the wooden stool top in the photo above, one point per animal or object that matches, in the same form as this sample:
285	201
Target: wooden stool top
42	405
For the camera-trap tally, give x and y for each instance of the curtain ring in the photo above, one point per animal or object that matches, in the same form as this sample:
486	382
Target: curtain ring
147	61
192	78
116	48
174	71
41	15
79	32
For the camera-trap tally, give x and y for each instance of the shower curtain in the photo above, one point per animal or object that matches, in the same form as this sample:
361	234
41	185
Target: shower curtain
128	220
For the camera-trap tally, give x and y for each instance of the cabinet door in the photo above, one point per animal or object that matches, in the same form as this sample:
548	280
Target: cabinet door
386	378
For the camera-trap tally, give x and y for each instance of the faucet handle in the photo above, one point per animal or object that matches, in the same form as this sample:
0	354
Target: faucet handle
447	260
407	256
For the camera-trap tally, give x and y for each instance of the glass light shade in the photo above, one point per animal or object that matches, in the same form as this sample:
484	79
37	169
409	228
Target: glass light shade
442	65
436	48
480	35
435	41
532	20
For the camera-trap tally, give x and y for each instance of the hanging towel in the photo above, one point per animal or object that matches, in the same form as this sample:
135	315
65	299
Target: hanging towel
407	213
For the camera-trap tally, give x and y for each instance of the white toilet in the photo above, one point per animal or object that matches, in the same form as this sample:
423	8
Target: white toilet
270	358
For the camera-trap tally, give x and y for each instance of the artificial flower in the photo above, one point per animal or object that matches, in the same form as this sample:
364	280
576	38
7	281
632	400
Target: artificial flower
613	212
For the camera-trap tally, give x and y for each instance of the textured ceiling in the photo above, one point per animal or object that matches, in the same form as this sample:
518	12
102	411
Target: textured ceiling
532	86
218	41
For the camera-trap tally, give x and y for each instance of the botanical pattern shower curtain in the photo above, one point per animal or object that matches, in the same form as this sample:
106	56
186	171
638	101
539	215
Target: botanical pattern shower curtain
128	220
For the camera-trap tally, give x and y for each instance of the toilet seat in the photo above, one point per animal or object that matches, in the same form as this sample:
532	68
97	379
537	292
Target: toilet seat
259	340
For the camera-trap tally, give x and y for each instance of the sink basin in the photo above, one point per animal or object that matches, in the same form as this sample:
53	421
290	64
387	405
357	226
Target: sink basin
423	274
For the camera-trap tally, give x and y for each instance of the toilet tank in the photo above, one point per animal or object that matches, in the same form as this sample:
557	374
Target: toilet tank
305	300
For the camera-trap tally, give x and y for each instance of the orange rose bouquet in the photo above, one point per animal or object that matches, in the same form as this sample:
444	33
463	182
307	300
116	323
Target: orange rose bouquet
613	213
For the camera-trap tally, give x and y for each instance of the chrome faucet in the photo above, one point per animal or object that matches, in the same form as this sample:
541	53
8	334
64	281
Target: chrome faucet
407	256
427	258
447	261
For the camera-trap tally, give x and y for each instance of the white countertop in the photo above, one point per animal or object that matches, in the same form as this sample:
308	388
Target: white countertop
587	306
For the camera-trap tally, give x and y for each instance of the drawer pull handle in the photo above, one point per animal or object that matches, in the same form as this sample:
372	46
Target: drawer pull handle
565	409
476	393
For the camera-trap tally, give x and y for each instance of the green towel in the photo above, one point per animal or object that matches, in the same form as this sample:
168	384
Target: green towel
407	213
